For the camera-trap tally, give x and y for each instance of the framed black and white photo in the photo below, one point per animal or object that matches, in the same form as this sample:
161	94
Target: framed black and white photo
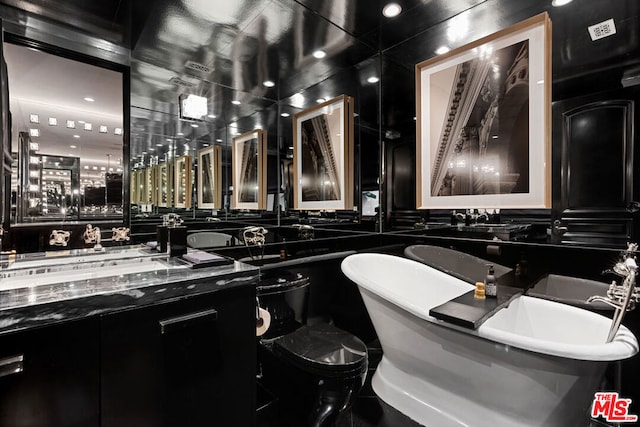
323	156
210	178
165	185
182	182
249	170
483	122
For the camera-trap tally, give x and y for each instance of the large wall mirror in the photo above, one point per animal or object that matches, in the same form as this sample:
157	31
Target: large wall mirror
67	142
66	138
258	73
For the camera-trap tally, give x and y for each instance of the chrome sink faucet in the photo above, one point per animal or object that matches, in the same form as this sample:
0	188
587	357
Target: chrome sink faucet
623	297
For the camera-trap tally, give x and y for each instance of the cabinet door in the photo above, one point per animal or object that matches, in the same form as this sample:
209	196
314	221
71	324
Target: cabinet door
184	363
49	376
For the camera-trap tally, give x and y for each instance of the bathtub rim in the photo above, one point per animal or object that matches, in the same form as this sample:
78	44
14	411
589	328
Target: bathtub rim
623	346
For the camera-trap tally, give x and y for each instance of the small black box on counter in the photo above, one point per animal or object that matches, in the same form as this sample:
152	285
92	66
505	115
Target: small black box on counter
177	240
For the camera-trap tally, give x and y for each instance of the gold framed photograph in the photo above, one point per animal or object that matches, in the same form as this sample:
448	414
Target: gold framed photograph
323	156
210	178
165	185
249	170
182	182
483	122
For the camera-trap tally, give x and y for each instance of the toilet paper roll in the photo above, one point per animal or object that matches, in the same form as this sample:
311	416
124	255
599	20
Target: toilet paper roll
494	250
262	326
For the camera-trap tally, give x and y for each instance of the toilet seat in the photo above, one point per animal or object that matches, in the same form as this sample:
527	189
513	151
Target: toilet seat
323	350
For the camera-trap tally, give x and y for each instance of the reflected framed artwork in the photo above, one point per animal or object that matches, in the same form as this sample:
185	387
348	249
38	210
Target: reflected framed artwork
249	170
483	122
182	182
210	178
323	156
165	185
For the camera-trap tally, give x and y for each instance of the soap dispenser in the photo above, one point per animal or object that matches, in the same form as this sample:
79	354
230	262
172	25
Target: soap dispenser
490	285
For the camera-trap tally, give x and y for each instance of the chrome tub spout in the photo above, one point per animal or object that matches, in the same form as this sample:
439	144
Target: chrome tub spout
622	297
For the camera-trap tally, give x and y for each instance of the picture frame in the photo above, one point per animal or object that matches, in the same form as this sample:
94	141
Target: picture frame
182	182
483	131
323	156
165	185
210	178
249	170
134	188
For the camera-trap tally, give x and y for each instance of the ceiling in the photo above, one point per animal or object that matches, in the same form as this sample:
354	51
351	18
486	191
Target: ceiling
226	50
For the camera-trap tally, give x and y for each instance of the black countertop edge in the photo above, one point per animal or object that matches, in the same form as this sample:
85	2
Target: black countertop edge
32	316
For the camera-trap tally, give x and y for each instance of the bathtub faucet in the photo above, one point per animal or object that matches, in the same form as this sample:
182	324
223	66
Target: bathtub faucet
623	297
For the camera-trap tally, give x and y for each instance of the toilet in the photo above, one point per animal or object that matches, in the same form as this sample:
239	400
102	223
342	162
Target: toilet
314	370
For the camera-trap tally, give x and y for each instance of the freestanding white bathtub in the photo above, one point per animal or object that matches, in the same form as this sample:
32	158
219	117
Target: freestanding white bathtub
534	363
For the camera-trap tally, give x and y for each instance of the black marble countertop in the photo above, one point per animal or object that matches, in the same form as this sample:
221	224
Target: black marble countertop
36	291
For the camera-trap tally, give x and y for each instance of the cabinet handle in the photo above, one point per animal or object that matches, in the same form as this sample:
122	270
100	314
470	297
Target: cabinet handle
11	365
180	322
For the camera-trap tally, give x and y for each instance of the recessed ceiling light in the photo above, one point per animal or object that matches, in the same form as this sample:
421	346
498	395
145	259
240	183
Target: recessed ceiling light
160	145
86	167
218	140
212	116
180	134
34	132
95	168
103	129
558	3
88	99
319	54
194	125
53	121
391	10
285	114
34	118
268	83
71	124
235	102
117	131
442	50
76	136
320	100
373	79
88	126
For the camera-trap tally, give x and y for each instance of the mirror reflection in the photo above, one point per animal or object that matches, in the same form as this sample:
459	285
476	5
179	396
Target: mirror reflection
67	138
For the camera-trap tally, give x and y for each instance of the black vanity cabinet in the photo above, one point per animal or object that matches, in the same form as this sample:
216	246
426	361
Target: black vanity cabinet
183	362
49	376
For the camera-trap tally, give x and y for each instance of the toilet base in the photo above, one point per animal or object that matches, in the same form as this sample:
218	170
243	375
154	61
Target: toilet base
305	399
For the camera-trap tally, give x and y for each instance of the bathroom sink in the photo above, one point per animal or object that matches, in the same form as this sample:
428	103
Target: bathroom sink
458	264
34	280
495	231
570	290
59	258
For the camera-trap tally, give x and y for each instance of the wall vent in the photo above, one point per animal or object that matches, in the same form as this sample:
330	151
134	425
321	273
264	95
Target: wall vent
601	30
198	67
178	81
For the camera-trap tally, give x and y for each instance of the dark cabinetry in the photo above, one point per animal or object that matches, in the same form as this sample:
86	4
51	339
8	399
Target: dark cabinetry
50	376
183	363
